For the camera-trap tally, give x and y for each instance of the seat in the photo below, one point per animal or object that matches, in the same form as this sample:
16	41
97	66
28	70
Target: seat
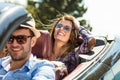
43	47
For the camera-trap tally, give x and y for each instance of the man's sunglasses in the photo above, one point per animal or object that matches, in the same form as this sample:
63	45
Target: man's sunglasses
21	39
66	28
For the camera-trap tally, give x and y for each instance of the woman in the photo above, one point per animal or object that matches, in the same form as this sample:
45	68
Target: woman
65	35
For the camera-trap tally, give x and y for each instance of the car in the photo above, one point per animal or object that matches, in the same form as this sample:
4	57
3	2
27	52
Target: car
102	63
9	20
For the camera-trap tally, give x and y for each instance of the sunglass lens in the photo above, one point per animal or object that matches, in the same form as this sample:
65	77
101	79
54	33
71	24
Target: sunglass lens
21	39
58	25
67	28
11	39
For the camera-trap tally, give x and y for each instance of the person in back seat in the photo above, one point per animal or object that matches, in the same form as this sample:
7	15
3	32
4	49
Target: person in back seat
65	35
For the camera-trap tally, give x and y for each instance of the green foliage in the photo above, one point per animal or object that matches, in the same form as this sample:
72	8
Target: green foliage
45	11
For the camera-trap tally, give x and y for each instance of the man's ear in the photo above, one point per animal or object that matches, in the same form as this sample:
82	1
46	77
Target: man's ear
33	41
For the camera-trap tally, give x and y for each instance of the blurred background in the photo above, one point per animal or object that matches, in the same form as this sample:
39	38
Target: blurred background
101	17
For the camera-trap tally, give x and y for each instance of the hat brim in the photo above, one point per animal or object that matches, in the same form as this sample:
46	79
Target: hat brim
35	31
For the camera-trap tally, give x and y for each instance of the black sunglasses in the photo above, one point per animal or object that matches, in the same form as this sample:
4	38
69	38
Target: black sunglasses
21	39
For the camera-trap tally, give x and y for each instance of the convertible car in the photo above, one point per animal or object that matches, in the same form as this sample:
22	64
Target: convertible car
103	63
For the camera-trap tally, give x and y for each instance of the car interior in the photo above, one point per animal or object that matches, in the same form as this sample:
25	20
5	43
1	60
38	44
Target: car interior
42	49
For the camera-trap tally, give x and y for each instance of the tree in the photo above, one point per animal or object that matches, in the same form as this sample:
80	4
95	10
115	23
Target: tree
45	11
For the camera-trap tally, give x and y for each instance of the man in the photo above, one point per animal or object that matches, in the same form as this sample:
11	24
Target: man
21	64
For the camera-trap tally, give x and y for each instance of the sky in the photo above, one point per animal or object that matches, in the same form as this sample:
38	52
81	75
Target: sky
103	16
19	1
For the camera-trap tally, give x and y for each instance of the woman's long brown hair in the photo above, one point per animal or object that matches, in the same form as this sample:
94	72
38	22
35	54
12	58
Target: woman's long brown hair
71	44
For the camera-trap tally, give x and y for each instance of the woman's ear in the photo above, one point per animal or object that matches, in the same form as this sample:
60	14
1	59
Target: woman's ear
33	41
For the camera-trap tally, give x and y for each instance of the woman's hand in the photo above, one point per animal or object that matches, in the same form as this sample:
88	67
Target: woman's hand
77	24
61	69
58	64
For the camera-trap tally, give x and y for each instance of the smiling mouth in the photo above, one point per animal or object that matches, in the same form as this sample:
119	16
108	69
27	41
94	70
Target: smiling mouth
61	33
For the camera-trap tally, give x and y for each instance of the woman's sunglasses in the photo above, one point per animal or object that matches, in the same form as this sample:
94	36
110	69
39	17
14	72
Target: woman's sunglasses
21	39
66	28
